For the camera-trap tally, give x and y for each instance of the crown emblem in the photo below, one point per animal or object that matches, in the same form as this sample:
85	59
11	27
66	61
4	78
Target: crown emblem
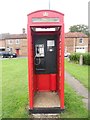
45	14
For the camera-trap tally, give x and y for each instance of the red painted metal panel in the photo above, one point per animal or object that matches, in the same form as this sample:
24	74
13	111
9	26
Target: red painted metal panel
30	69
35	83
53	12
45	32
43	82
46	82
53	82
50	14
44	25
62	69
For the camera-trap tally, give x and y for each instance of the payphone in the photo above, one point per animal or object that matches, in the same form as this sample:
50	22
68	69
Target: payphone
39	49
39	52
45	54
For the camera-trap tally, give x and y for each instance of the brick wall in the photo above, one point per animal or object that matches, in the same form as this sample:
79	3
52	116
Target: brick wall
72	43
85	42
2	43
22	46
69	45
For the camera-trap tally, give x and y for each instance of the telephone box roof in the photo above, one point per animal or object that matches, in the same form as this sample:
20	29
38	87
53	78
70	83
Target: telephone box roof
45	18
45	10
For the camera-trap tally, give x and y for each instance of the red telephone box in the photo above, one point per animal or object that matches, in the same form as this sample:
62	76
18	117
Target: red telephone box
45	30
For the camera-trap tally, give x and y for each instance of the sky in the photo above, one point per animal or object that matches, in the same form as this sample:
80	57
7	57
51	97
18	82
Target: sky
13	13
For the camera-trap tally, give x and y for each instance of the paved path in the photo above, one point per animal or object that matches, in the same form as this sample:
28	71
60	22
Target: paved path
78	87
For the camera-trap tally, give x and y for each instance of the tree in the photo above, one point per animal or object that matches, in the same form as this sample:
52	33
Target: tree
80	28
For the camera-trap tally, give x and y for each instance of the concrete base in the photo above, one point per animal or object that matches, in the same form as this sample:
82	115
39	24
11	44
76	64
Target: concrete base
46	99
45	115
46	110
46	103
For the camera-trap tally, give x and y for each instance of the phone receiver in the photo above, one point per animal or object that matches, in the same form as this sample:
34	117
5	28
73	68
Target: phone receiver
35	59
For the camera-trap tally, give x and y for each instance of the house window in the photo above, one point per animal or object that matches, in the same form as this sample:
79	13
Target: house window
10	41
17	41
80	40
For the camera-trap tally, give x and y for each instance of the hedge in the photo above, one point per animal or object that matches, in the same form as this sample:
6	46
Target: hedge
75	57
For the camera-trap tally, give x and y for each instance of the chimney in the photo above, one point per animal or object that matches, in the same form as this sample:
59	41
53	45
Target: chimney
23	30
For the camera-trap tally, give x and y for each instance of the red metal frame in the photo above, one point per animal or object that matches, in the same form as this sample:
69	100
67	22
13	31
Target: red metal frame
58	79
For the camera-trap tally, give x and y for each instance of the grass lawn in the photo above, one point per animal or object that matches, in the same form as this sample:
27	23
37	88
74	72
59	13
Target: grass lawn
15	93
14	88
78	71
0	89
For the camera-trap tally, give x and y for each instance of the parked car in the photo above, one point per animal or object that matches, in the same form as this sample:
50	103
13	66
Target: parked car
7	55
66	54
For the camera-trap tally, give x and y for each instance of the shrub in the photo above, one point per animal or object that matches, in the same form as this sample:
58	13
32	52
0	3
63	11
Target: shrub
86	59
75	57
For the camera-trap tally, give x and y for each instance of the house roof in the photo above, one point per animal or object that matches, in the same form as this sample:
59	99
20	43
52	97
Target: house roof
24	36
75	35
12	36
16	36
3	36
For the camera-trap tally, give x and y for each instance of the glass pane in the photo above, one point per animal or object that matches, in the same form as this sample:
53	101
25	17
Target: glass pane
45	19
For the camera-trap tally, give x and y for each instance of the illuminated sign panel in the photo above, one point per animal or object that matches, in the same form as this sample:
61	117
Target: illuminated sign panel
45	20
